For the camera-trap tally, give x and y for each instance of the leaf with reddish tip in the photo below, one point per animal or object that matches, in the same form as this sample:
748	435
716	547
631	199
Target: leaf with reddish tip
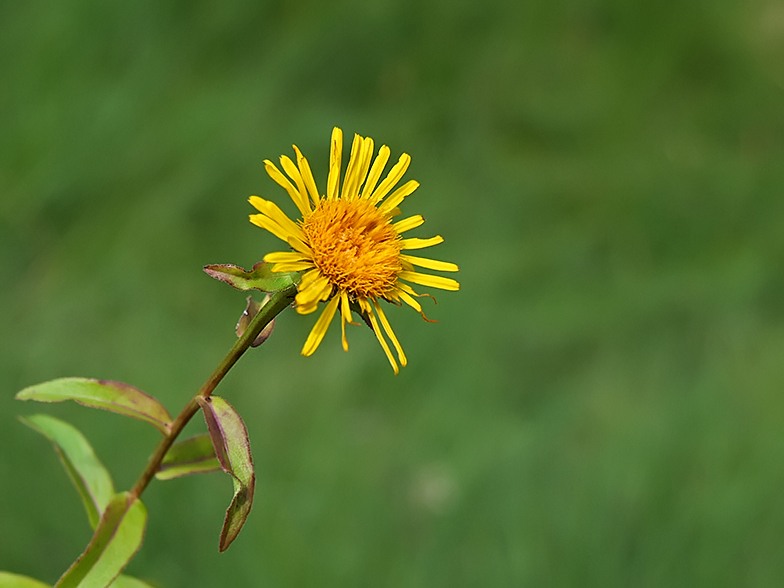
88	474
113	396
116	540
261	277
9	580
192	456
250	312
232	447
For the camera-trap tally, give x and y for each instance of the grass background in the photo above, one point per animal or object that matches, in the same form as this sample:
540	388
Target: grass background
601	404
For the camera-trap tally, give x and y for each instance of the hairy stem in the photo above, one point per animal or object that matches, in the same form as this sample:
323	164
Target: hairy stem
277	303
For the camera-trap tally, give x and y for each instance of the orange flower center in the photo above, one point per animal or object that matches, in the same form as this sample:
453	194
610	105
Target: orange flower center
354	246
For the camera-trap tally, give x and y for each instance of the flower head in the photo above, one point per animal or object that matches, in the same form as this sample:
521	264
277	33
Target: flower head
347	242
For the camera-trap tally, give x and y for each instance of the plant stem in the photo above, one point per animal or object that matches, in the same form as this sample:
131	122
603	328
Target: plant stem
277	303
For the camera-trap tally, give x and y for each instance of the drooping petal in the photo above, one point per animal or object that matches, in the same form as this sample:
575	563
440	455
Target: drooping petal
320	328
345	316
368	310
390	333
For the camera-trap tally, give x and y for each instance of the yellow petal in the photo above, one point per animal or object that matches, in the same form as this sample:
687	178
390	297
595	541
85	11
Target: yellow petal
365	305
283	257
307	309
398	195
410	301
440	266
300	246
393	178
335	152
293	172
313	292
276	175
408	289
292	266
320	328
375	171
307	177
421	243
365	155
427	280
267	223
345	316
272	211
412	222
391	334
308	279
350	182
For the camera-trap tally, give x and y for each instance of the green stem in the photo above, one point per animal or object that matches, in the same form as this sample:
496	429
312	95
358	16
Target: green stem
277	303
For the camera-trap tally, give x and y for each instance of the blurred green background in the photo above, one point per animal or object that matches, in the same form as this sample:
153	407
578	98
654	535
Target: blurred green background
602	404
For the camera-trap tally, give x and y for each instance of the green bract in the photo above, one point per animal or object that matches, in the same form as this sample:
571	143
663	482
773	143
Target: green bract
260	277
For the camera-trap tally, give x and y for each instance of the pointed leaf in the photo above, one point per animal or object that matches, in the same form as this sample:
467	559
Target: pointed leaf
250	312
261	277
116	540
114	396
192	456
8	580
232	446
85	469
127	582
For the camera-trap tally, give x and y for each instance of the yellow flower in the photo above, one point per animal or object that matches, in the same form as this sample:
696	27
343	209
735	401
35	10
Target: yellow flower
348	242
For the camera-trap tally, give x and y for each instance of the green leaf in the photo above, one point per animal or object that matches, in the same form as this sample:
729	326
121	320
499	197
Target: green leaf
232	446
116	540
85	469
8	580
127	582
114	396
250	312
192	456
261	277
